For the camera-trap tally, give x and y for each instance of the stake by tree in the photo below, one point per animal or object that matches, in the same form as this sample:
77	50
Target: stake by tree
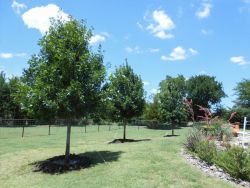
126	94
64	80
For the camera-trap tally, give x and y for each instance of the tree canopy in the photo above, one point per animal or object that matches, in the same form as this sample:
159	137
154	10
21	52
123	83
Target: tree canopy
205	91
64	80
171	98
243	94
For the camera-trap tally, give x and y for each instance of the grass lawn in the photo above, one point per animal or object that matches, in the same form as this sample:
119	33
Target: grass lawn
155	163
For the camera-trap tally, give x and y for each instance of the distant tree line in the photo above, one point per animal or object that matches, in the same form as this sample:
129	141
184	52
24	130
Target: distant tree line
170	103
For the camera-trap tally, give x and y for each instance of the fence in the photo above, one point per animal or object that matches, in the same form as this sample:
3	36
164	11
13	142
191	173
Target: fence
28	126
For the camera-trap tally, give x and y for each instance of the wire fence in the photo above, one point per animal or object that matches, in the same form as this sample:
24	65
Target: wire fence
34	127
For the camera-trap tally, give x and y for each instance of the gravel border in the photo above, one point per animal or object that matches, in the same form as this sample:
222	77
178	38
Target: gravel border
212	170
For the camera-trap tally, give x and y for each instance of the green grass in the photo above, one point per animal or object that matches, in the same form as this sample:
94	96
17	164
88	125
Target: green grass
155	163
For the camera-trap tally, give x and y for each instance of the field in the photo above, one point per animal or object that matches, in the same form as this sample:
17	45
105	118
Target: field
154	163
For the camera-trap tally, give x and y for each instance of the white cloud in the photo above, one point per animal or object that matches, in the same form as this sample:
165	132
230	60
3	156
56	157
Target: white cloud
135	49
145	83
106	34
6	55
204	31
139	25
97	39
21	55
17	7
246	7
202	72
192	51
205	11
239	60
154	50
179	53
162	23
207	31
155	91
11	55
39	17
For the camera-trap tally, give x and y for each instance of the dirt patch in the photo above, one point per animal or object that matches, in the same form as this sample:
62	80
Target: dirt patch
120	141
55	165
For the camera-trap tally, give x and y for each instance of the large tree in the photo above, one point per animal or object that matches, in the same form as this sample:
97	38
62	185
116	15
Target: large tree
171	98
205	91
64	80
126	94
243	94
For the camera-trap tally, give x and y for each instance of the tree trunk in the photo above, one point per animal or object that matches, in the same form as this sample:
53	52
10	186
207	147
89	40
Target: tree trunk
85	128
109	127
67	151
49	130
172	130
23	132
124	131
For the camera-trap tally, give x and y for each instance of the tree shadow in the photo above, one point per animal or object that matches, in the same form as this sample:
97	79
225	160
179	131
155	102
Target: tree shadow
163	127
56	165
170	135
120	140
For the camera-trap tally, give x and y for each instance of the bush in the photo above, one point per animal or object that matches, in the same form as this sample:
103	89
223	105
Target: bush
235	161
193	139
206	151
222	130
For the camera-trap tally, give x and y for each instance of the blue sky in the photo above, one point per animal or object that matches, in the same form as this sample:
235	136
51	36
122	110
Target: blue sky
158	37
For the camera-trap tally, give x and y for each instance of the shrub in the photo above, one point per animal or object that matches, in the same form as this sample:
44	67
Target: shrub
206	151
194	137
222	130
235	161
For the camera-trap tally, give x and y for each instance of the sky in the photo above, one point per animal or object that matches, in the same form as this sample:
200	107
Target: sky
158	37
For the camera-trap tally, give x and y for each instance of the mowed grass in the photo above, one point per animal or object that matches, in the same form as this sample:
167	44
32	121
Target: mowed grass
155	163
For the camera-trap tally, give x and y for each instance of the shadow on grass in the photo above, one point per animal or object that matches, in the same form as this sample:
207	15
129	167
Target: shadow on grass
170	135
55	165
120	140
165	126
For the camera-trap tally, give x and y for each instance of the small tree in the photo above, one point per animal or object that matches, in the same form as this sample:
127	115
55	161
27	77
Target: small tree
64	80
171	99
126	94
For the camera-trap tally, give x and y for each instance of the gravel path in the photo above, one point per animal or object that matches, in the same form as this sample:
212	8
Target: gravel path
212	170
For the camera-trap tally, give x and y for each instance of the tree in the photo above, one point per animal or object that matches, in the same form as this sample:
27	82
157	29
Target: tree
64	80
204	91
14	106
126	94
152	110
171	98
4	95
243	92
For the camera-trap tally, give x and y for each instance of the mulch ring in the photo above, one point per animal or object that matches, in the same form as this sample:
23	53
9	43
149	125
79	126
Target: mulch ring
55	165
